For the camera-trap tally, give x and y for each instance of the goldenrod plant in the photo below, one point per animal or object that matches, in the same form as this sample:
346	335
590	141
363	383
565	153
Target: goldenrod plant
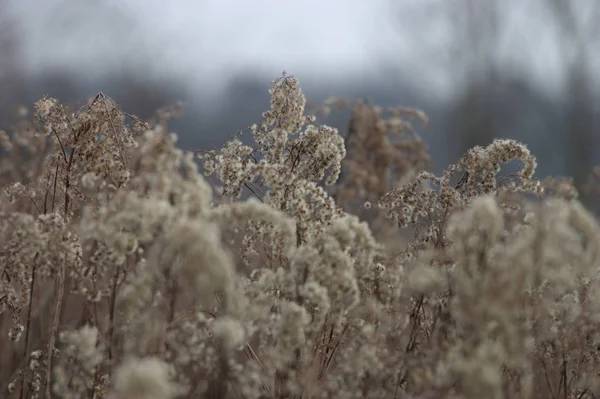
323	265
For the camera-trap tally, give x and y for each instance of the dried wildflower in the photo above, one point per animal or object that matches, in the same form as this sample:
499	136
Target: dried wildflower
110	227
148	378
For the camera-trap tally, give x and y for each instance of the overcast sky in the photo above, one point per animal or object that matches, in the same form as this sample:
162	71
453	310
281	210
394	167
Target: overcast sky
207	42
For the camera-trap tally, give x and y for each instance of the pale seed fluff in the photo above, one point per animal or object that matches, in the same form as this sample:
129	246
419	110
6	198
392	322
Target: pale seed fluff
425	279
89	180
85	341
230	331
147	378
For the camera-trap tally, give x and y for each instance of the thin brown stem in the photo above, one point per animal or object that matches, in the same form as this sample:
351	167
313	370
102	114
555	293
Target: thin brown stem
54	330
28	327
111	322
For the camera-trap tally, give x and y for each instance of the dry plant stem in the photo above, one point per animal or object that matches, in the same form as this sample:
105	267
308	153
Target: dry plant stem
28	327
67	181
55	186
62	268
54	330
415	324
111	317
111	123
331	348
172	289
512	378
563	379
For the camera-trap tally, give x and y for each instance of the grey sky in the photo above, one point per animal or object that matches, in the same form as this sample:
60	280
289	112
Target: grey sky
207	42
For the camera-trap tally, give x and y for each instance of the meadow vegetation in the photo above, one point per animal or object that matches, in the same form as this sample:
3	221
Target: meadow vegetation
322	265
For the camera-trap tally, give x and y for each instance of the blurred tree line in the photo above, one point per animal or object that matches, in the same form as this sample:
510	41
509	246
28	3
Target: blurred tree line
493	99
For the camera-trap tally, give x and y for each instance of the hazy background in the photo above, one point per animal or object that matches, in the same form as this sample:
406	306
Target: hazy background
523	69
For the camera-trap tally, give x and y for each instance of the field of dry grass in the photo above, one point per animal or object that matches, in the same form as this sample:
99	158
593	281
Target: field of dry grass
350	271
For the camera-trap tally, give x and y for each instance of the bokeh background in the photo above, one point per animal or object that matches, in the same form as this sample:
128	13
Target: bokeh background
522	69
